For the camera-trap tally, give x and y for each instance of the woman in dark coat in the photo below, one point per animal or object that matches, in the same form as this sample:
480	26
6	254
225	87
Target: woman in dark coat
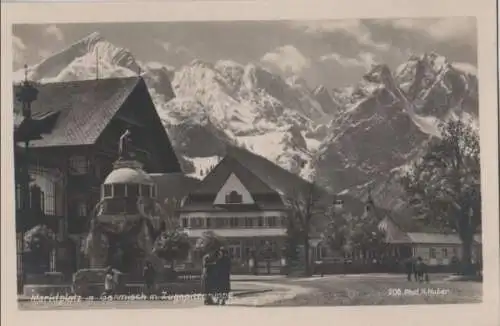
223	276
209	276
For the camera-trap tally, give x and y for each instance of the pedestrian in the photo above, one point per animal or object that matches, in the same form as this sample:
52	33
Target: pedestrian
109	282
223	267
409	268
419	270
149	275
208	276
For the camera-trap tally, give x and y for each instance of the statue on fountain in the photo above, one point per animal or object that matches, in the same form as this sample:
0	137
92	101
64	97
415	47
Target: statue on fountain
124	225
123	146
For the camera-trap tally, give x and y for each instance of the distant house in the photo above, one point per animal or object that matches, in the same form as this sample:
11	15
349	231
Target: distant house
435	248
234	203
406	237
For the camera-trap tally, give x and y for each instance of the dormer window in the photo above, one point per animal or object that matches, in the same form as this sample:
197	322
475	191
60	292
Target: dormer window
234	198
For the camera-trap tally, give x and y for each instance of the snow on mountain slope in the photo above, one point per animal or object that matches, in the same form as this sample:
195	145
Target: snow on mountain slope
203	165
346	138
237	100
79	61
391	122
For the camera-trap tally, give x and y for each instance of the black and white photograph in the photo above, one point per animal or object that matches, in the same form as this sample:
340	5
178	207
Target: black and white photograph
256	163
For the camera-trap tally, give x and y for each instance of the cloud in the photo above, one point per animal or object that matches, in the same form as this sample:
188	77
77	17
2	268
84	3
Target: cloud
364	59
288	59
177	50
18	51
452	29
354	28
55	31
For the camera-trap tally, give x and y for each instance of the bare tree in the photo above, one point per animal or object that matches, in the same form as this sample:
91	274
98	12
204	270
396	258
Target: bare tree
305	205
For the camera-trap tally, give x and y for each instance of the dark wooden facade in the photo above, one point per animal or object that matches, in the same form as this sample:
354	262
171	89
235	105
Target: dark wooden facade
84	157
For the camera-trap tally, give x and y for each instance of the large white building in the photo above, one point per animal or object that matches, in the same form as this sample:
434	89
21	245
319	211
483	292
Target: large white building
234	203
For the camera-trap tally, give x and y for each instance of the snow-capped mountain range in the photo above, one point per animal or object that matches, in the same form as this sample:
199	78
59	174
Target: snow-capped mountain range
344	138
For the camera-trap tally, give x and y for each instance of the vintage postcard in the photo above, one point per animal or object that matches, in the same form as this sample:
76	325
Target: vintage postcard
267	160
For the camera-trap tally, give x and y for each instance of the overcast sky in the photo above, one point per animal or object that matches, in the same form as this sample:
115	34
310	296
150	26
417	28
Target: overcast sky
334	53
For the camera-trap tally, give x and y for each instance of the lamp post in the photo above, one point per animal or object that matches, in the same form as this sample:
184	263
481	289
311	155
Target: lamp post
26	94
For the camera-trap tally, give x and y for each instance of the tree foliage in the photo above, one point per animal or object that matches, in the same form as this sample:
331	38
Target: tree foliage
172	245
444	186
364	235
170	212
209	242
346	233
40	239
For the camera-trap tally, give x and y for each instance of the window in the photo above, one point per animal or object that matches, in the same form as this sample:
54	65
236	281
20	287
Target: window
248	222
260	221
78	165
219	222
284	221
234	222
323	252
233	198
82	209
272	221
444	252
153	191
432	253
132	190
455	252
44	179
119	190
107	191
184	222
235	252
145	191
209	222
37	198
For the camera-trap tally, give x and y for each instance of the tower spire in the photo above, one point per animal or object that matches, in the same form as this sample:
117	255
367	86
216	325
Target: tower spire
25	73
27	94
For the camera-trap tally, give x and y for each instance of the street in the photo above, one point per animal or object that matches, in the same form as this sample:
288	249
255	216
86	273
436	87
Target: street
330	290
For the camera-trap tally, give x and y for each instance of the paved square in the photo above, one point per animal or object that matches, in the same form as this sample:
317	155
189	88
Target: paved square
330	290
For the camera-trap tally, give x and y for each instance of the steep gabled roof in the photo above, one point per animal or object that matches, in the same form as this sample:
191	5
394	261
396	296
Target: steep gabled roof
276	177
227	166
201	198
83	108
173	185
